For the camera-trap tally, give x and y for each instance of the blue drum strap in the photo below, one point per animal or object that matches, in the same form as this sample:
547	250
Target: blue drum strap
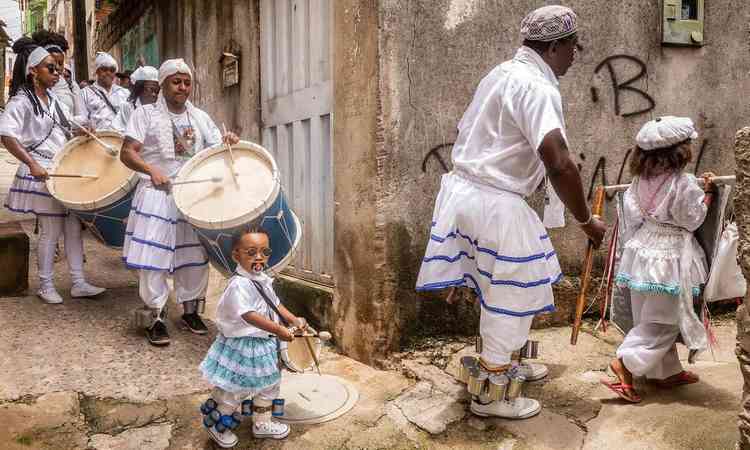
269	302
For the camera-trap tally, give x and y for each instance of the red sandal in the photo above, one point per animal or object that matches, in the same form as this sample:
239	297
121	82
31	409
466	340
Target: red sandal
680	379
624	391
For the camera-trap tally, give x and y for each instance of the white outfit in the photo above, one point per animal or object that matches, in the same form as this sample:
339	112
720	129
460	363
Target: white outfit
120	122
42	136
484	234
67	94
241	297
92	109
158	240
663	266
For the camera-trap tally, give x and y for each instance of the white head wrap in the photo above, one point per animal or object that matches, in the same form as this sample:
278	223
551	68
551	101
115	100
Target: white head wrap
104	60
54	48
173	66
665	132
549	23
35	58
145	73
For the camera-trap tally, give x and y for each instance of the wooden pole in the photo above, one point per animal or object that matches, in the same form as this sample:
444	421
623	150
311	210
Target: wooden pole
588	262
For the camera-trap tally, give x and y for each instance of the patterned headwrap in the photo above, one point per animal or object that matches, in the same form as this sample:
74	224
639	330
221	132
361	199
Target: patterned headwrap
549	23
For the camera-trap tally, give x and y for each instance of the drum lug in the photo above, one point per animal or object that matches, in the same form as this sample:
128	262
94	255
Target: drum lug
478	344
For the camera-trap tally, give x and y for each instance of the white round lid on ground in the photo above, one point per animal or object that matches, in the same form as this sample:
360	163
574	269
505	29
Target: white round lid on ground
311	398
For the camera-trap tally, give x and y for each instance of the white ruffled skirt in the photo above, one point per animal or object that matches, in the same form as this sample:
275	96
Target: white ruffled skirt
157	236
29	195
491	241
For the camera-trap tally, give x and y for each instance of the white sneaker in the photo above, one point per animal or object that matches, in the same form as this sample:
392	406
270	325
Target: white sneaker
520	408
270	429
83	289
224	439
532	371
50	295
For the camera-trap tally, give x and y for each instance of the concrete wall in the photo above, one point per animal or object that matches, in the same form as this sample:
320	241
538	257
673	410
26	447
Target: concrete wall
432	54
198	31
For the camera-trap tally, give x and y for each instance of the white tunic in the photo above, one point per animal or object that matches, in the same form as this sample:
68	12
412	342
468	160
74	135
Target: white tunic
92	109
120	123
240	297
515	106
67	94
484	235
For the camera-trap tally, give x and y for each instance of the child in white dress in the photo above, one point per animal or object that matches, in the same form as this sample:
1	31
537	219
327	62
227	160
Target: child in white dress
662	263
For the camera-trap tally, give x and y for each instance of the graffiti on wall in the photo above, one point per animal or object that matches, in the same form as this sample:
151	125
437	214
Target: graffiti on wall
618	86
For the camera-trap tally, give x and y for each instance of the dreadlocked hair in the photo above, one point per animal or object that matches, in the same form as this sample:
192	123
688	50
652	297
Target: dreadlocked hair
136	91
44	38
23	82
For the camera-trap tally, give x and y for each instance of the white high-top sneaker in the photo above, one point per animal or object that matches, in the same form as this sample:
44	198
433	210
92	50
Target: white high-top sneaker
520	408
49	295
532	371
224	439
265	427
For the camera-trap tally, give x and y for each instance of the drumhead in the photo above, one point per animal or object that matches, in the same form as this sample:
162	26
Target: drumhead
296	355
228	203
84	156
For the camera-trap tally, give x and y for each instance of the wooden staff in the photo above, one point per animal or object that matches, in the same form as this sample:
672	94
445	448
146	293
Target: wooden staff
588	262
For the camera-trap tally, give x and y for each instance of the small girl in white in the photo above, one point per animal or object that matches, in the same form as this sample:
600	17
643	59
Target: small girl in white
243	361
662	263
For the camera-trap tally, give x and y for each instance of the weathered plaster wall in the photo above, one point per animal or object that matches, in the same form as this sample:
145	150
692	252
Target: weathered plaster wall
198	31
434	52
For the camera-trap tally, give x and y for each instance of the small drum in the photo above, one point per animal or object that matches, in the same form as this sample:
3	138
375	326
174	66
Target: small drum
103	203
221	210
296	354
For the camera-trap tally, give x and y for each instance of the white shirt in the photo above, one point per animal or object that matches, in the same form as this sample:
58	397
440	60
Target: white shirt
92	109
240	297
515	106
143	127
120	122
66	94
19	122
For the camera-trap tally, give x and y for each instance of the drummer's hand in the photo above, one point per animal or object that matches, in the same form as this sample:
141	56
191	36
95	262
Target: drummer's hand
83	131
159	180
301	323
285	334
230	138
38	171
595	231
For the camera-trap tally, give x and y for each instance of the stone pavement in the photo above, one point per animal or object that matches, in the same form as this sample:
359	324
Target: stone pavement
78	376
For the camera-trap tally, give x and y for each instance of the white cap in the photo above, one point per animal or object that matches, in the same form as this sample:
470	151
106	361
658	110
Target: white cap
665	132
173	66
549	23
104	59
145	73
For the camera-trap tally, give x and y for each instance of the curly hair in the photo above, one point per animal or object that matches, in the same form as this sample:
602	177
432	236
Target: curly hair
655	162
43	38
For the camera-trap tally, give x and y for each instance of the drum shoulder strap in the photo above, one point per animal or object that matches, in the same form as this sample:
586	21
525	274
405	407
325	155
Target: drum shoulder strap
101	95
270	303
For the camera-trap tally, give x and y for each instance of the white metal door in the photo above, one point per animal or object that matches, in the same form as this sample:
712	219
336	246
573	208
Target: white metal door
296	109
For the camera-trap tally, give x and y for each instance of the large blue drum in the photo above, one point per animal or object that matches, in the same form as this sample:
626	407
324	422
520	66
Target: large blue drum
102	198
223	193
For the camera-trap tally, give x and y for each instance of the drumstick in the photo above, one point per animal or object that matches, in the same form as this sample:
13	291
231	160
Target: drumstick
204	180
231	156
70	175
312	353
111	150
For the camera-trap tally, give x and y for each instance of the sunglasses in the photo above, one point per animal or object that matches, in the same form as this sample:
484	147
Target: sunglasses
52	68
253	252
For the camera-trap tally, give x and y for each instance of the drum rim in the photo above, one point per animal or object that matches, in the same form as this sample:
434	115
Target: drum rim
105	200
284	353
243	218
281	265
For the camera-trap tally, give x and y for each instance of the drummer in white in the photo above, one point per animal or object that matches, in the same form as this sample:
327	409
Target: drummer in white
159	139
145	91
34	127
98	104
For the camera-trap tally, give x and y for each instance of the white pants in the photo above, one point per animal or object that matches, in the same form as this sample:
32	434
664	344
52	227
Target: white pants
649	349
190	283
51	228
229	402
502	335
